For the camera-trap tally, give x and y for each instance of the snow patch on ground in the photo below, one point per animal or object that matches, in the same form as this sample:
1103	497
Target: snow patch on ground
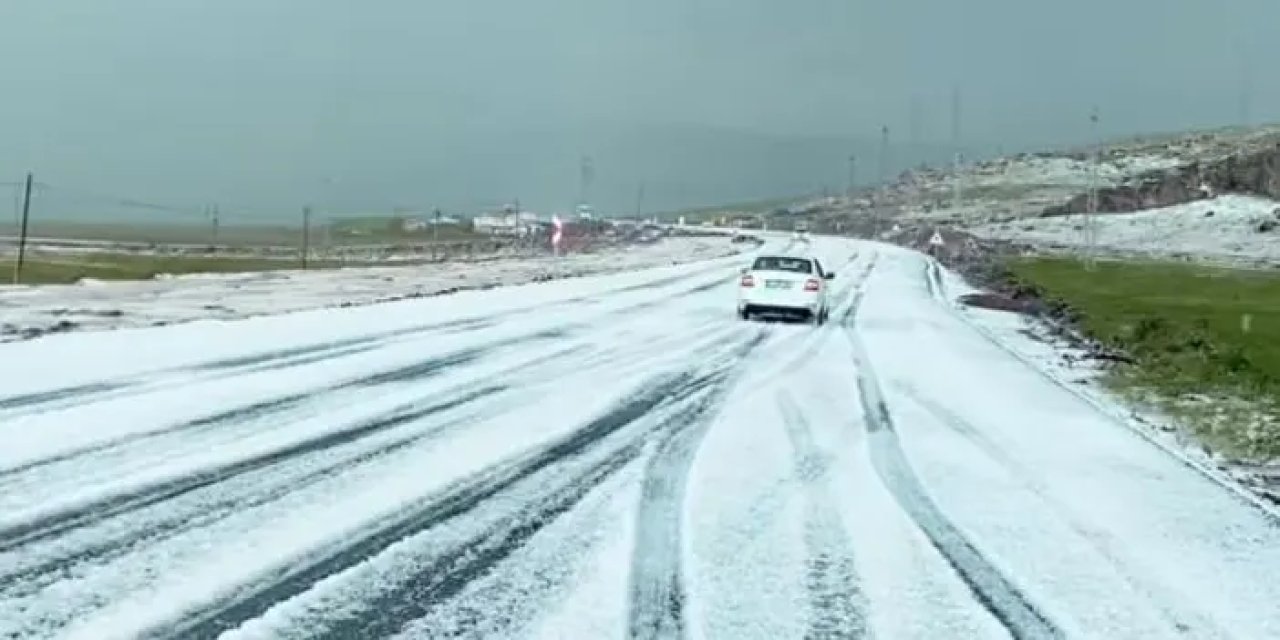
1226	227
31	311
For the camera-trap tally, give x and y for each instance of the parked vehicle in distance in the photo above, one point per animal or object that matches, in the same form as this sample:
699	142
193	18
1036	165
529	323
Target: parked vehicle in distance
784	286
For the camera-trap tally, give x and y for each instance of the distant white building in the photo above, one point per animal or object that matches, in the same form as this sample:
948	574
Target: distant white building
414	224
509	224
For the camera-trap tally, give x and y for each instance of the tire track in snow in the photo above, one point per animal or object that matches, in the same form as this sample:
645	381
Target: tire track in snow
288	403
44	401
59	521
215	370
657	594
172	522
848	300
836	602
994	591
463	496
314	353
66	556
1102	542
46	397
267	408
418	598
280	407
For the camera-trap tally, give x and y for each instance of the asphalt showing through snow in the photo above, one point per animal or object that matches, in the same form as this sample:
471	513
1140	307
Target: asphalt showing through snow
454	478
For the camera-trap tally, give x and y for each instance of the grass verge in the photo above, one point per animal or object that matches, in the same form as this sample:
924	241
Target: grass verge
1205	341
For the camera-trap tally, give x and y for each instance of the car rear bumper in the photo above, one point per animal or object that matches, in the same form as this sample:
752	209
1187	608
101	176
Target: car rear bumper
806	311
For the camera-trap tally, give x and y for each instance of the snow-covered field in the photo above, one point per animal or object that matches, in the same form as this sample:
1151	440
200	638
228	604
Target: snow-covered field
606	457
34	310
1224	228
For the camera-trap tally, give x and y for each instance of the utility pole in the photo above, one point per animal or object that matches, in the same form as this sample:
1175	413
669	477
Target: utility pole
884	177
959	180
640	202
586	175
1090	220
213	217
884	153
435	228
306	235
853	177
22	233
915	124
955	118
1246	92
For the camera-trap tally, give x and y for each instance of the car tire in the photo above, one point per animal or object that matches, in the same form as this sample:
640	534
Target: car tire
744	314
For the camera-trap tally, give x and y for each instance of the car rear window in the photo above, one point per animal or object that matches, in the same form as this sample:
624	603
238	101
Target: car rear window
772	263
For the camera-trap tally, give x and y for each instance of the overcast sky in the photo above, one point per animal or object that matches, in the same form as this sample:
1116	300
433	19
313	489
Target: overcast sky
268	104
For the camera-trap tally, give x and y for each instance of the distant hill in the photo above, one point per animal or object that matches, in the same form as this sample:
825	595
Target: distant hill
680	166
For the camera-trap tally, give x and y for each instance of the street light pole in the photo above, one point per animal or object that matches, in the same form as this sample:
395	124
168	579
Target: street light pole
1090	220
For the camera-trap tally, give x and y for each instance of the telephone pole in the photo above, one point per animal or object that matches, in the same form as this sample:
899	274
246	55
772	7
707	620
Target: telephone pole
884	153
586	175
1090	220
306	235
1246	92
22	233
955	118
913	132
640	202
853	177
213	218
958	194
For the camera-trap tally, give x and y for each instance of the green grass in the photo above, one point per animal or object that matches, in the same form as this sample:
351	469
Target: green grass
1195	332
163	233
341	232
116	266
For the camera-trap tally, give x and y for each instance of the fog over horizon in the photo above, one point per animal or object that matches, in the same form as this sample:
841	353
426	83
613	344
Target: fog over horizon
263	107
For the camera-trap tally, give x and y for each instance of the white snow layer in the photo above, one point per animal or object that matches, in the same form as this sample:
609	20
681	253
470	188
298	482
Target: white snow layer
886	473
94	304
1225	227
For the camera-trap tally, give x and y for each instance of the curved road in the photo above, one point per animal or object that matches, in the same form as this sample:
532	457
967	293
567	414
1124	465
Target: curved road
613	457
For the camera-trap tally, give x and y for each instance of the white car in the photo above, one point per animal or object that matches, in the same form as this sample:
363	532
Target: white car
782	285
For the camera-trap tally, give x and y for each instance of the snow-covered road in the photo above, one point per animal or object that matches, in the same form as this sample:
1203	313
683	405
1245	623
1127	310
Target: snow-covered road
604	457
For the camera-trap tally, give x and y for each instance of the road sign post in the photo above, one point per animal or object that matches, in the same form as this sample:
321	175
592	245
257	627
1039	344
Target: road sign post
936	243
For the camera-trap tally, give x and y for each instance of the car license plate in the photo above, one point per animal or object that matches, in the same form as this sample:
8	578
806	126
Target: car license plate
777	284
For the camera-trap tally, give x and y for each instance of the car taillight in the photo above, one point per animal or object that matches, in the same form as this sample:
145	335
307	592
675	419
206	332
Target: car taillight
748	281
811	285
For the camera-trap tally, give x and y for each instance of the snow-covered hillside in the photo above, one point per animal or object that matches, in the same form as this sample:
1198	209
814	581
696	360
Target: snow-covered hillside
1228	227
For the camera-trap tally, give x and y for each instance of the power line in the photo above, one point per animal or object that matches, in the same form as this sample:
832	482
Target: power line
131	203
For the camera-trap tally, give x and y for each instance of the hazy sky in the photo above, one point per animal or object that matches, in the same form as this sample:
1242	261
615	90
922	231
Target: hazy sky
267	104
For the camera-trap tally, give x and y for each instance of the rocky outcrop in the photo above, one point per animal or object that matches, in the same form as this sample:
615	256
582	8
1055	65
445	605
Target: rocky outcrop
1254	173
